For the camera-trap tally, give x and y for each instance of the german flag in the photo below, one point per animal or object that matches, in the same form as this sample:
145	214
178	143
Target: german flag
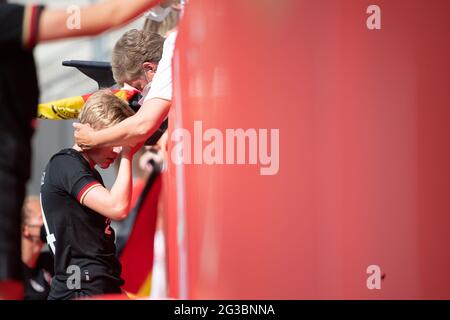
69	108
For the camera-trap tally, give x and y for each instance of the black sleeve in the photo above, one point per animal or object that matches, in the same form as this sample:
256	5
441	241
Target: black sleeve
19	25
70	175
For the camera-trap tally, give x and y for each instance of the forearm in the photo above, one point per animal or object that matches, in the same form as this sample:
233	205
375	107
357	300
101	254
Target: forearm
122	11
121	189
135	129
94	19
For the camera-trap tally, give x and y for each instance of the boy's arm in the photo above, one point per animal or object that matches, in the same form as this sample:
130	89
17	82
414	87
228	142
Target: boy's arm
114	204
94	19
133	130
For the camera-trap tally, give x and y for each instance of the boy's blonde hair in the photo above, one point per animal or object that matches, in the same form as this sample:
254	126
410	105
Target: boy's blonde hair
133	49
104	109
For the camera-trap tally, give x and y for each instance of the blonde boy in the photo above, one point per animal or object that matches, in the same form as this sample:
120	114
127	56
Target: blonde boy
77	208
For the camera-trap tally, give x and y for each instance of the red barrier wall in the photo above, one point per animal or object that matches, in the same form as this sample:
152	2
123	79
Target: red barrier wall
364	131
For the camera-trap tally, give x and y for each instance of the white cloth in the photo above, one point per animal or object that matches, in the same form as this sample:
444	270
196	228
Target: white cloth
161	86
144	92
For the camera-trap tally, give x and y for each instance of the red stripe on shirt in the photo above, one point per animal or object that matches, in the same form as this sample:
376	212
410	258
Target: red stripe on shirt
86	188
33	27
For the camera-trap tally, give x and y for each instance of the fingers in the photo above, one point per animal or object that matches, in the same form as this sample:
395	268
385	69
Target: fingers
79	126
82	135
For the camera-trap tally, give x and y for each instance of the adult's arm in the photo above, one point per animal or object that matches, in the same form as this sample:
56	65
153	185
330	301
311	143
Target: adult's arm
144	123
94	19
133	130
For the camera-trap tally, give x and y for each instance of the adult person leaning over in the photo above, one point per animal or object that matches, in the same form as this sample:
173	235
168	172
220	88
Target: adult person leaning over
139	127
21	28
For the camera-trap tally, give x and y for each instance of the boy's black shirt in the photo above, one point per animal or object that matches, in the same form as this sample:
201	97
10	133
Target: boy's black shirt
80	238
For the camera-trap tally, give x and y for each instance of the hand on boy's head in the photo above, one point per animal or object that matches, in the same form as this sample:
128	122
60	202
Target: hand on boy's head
82	135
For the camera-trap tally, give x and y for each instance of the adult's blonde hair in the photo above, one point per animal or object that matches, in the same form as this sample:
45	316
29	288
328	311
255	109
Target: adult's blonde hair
133	49
103	109
163	27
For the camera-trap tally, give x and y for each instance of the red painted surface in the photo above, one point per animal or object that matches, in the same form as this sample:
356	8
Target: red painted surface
364	176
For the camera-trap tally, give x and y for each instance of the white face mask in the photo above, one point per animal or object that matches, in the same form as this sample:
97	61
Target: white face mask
144	92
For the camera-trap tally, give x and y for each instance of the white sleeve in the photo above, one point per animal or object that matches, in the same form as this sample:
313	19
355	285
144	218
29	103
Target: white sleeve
162	81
